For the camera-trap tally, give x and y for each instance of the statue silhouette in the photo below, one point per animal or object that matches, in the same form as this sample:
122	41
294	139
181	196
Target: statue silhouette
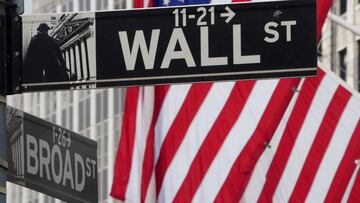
44	61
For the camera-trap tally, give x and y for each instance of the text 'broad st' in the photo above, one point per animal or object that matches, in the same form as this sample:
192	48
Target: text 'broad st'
51	159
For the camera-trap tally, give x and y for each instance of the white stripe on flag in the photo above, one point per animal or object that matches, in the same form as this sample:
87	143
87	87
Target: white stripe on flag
305	139
199	128
144	113
350	185
335	152
220	1
171	105
235	141
258	177
146	3
151	191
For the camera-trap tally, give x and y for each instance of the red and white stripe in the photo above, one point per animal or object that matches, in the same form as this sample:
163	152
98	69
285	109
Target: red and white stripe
192	138
313	157
143	3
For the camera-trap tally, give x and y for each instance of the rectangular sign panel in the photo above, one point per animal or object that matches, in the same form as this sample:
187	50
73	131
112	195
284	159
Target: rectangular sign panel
51	159
170	45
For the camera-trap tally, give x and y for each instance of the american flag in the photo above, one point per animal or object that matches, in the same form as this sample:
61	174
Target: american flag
268	140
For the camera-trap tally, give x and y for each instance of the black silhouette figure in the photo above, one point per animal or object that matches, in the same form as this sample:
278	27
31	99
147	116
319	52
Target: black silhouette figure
44	61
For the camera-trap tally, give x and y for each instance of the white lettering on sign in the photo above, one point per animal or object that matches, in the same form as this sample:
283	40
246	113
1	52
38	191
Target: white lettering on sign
68	175
204	44
201	16
61	137
130	55
41	158
44	158
270	28
238	57
229	14
288	25
79	162
32	150
178	36
184	53
56	153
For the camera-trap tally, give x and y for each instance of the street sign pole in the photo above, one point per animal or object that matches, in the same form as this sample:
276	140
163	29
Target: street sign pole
3	149
3	142
10	57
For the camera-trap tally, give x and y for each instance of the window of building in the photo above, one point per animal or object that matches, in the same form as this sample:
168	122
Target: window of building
84	5
343	64
81	115
102	157
105	104
71	6
102	185
49	199
63	118
343	4
117	101
120	4
101	105
117	130
67	110
98	107
64	8
84	112
101	4
68	6
50	107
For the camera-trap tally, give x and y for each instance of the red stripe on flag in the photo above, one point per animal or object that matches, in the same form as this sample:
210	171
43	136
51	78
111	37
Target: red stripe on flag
148	163
126	145
236	182
320	144
288	139
355	191
214	140
178	129
322	9
138	3
346	168
150	3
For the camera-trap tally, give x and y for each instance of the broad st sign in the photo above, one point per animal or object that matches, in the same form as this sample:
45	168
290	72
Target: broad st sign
170	45
51	159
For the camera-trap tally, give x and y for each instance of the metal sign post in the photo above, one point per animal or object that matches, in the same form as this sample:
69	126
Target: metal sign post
3	48
3	142
10	52
169	45
3	150
11	45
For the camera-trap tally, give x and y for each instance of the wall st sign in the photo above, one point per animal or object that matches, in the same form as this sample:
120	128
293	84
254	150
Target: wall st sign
169	45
